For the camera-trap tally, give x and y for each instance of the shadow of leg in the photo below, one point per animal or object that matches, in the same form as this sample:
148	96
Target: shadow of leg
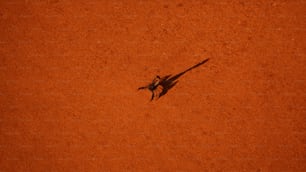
167	86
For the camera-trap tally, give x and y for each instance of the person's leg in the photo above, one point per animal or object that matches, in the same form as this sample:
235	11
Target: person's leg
141	88
152	95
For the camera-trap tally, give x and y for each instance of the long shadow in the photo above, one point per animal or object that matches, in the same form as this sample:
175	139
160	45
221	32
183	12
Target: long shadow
169	81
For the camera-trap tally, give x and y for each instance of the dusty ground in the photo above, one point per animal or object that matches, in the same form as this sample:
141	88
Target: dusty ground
70	71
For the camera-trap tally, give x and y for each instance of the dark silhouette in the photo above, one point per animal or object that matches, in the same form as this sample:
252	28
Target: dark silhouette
152	86
167	82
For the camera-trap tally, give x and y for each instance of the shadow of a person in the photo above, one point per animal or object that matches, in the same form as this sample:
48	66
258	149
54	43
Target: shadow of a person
168	82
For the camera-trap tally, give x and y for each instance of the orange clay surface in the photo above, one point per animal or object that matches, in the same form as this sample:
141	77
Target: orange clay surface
69	73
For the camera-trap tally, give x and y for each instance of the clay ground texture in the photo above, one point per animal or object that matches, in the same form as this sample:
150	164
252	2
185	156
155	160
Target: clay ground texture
69	73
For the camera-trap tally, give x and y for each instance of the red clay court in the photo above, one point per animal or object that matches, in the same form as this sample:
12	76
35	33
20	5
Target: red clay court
70	70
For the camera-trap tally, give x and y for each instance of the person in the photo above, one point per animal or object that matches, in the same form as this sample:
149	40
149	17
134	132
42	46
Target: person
152	86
